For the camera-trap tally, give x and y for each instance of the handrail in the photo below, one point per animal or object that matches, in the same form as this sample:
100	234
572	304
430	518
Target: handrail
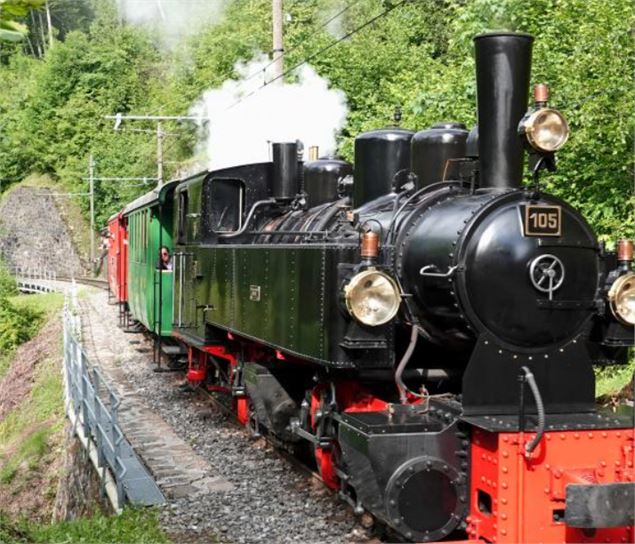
34	279
92	405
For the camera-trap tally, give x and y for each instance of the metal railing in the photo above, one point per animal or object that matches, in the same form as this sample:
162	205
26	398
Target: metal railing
34	280
92	406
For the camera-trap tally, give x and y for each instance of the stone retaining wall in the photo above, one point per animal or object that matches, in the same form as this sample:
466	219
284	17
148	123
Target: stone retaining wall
33	234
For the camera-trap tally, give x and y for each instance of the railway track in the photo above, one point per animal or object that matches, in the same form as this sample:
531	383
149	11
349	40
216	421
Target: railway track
93	282
287	502
367	521
278	450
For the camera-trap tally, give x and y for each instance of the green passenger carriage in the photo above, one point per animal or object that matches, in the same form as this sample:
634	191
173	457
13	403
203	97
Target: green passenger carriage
150	296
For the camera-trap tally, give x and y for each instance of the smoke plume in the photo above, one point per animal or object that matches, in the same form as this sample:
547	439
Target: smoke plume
242	125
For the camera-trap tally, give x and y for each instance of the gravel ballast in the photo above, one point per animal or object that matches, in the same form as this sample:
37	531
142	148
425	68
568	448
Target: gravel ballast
269	499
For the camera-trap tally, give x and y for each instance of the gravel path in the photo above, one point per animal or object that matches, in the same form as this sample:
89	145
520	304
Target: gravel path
268	499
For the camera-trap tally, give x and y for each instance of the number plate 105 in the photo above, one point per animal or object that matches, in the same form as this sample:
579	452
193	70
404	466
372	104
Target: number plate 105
543	221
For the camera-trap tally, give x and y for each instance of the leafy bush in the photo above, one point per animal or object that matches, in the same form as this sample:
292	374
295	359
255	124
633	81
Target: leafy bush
7	283
17	325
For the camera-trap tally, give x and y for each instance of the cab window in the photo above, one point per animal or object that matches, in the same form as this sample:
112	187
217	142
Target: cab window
223	201
182	218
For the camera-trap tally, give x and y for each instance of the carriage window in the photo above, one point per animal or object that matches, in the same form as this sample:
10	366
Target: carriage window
140	221
144	233
137	236
182	226
224	201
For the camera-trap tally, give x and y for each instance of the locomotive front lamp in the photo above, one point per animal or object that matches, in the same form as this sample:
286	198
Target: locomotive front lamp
546	130
372	298
622	298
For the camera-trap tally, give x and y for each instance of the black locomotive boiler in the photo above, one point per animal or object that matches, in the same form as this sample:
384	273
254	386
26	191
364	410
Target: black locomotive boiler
423	321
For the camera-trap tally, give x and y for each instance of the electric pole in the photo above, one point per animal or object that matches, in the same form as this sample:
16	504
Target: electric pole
160	135
91	182
278	47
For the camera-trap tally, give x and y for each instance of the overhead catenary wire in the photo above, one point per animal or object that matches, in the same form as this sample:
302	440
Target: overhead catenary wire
62	194
323	50
294	48
229	73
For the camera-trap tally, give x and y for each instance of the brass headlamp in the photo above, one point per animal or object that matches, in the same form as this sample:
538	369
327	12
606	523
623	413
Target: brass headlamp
372	297
545	128
622	298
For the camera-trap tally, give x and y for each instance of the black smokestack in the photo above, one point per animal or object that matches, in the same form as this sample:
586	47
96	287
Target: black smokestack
503	68
286	183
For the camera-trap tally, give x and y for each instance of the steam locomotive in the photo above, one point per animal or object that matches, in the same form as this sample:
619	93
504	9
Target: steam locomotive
422	322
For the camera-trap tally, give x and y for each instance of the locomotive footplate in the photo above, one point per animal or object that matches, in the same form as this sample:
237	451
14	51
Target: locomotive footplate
621	417
600	505
408	467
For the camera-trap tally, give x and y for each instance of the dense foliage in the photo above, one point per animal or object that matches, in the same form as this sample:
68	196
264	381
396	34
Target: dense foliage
17	325
418	56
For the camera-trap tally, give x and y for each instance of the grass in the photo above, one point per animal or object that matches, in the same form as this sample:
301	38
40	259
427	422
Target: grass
44	403
26	432
45	304
134	525
5	363
31	451
613	379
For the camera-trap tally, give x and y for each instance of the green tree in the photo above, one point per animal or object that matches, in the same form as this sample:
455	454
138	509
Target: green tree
418	56
10	28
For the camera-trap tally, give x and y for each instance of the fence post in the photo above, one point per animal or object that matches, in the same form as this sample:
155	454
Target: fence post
117	439
84	388
99	440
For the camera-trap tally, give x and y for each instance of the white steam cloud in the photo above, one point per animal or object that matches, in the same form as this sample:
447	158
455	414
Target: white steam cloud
173	19
242	126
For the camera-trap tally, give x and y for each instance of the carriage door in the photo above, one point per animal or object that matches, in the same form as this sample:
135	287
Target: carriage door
184	309
180	265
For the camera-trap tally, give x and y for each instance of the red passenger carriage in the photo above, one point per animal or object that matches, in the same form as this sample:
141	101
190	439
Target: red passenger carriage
118	258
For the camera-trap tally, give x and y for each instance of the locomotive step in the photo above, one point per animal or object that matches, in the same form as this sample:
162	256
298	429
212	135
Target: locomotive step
173	351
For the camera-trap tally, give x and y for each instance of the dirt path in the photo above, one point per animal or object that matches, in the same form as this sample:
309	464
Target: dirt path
178	470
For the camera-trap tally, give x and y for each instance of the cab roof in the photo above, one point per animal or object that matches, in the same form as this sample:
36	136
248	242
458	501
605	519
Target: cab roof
156	196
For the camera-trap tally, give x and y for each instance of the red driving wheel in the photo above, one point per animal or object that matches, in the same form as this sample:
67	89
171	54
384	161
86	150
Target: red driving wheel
326	460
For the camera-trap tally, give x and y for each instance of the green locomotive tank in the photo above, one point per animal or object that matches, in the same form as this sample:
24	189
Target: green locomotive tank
234	274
